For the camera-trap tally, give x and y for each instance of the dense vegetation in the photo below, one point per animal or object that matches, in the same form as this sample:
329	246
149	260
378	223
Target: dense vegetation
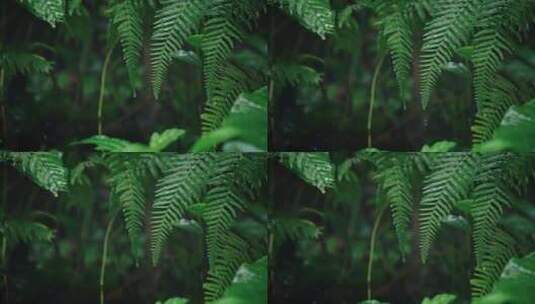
95	208
461	226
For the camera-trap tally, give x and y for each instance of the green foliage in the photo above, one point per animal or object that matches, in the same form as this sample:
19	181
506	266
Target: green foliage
44	168
51	11
516	283
314	168
158	142
249	284
485	183
246	121
451	27
13	63
515	132
174	22
315	15
127	17
450	182
440	299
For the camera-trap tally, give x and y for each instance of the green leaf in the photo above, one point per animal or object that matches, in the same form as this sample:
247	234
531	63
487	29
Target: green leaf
159	142
249	285
247	121
440	146
516	131
444	298
516	284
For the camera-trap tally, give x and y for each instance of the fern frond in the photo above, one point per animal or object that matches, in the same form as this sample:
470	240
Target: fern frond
294	229
128	19
14	62
44	168
51	11
314	168
181	186
128	185
499	250
398	32
175	22
229	83
233	254
25	231
451	27
315	15
492	106
450	182
398	187
489	196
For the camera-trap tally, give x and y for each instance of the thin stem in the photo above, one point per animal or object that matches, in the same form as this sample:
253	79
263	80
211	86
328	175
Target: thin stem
372	250
372	98
4	265
102	87
105	257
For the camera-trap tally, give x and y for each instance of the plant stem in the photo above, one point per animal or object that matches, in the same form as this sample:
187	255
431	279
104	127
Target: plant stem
105	256
372	249
102	87
372	98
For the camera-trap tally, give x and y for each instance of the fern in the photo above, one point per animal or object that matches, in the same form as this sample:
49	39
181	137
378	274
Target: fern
25	231
44	168
51	11
174	23
233	253
313	167
492	108
181	186
294	229
450	182
398	187
128	20
231	81
489	197
500	249
315	15
17	62
499	21
451	27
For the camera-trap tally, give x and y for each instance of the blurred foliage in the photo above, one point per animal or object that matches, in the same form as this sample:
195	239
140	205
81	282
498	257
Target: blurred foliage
332	266
433	70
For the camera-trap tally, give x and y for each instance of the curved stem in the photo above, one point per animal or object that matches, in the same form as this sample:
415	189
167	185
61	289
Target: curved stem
372	249
102	87
372	98
105	256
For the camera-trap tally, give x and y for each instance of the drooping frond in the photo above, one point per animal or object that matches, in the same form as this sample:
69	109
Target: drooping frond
290	228
181	186
450	28
490	196
25	231
127	17
51	11
230	82
450	182
396	181
229	20
15	62
128	185
492	106
290	73
499	22
175	21
44	168
227	196
314	168
233	253
315	15
499	250
394	21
